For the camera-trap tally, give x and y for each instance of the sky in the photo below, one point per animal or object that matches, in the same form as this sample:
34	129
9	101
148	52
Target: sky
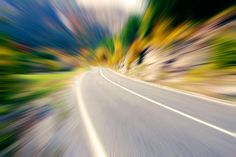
129	6
113	13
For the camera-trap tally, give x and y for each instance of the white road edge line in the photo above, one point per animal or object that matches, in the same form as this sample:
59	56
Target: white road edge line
98	149
179	91
171	109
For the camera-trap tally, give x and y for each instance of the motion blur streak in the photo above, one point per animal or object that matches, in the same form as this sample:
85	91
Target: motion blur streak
94	139
184	45
171	109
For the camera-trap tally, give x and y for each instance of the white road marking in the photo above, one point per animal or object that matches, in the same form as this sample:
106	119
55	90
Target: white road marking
171	109
98	149
179	91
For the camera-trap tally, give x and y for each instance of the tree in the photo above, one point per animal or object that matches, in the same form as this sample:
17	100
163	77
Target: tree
224	53
129	32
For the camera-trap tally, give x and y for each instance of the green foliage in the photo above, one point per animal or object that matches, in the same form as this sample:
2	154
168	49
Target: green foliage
130	29
224	54
108	43
156	10
44	55
4	40
18	61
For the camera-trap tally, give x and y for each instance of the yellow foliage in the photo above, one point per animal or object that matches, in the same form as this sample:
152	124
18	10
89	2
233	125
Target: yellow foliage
199	74
175	34
163	34
4	51
135	49
6	56
102	54
118	52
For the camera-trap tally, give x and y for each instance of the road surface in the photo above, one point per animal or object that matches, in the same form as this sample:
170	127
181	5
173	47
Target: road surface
126	118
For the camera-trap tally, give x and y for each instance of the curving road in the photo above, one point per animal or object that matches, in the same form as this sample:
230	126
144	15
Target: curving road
127	118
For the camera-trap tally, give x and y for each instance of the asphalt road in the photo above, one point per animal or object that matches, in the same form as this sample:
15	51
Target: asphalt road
126	118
